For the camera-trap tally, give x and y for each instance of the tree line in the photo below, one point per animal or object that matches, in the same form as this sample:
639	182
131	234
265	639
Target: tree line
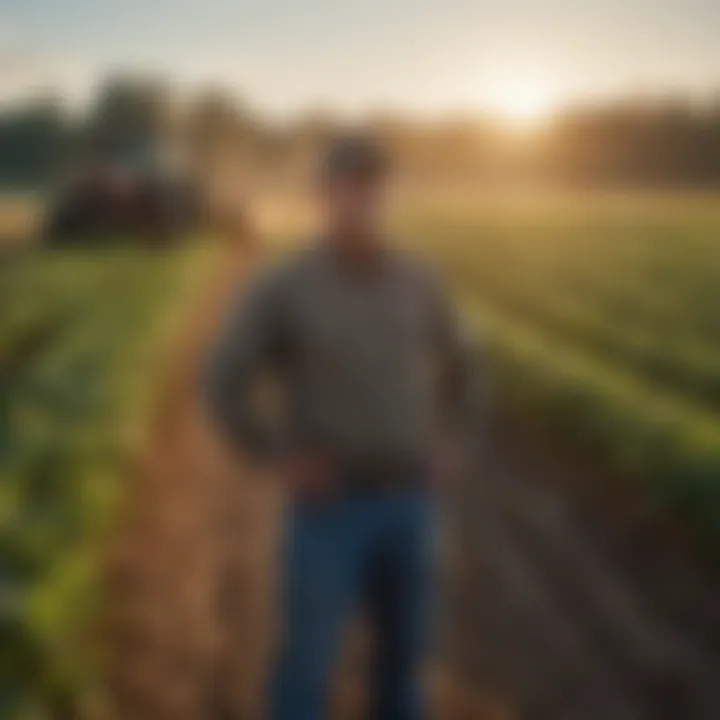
673	142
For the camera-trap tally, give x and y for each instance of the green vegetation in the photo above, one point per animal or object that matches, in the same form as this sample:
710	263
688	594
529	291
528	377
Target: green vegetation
602	318
81	338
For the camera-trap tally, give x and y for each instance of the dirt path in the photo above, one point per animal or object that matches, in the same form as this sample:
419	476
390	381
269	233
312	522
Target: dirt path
195	518
572	615
547	606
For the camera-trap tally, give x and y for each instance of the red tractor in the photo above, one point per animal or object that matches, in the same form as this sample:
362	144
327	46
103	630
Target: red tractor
107	200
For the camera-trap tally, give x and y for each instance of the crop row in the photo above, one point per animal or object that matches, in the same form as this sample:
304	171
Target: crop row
615	418
92	328
597	299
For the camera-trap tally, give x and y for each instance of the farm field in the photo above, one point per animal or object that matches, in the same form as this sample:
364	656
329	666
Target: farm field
599	314
82	336
19	217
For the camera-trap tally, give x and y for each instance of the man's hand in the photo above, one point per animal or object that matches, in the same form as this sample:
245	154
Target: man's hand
309	476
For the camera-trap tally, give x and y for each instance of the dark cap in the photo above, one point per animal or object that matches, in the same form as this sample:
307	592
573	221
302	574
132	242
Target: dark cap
354	156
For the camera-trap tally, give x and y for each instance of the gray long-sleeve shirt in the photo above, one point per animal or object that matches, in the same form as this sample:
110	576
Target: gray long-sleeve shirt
371	361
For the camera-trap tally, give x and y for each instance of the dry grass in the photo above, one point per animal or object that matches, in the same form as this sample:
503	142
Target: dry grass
19	217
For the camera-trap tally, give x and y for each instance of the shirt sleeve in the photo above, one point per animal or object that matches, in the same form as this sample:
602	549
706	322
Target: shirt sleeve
250	345
462	367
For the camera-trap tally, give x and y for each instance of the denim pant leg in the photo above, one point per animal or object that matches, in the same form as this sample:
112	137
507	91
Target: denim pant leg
400	607
320	579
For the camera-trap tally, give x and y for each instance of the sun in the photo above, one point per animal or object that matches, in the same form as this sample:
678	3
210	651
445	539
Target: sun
524	105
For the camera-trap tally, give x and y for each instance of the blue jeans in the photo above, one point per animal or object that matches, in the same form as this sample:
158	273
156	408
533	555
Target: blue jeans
371	549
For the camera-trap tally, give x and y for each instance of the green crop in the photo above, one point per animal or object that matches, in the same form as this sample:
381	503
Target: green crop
600	315
82	336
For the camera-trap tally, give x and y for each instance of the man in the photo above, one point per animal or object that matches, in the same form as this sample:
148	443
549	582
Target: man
375	381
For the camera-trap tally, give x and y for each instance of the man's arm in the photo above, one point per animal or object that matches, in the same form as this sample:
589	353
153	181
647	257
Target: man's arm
249	345
462	371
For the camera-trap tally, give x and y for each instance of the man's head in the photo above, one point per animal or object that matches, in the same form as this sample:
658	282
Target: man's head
353	177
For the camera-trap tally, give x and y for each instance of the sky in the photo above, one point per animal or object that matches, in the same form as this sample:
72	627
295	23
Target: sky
518	57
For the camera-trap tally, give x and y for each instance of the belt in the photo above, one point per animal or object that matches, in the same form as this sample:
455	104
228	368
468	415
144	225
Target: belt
382	472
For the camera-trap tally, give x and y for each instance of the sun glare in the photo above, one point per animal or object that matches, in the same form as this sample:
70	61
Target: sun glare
523	105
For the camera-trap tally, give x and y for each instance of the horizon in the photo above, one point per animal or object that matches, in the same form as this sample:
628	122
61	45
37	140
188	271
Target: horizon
524	61
520	113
